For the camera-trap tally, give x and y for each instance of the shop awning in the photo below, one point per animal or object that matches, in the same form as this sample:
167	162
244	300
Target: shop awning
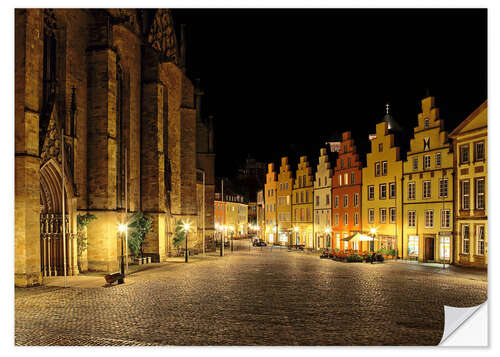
357	237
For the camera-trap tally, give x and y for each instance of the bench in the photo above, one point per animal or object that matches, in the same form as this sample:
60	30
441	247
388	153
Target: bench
111	278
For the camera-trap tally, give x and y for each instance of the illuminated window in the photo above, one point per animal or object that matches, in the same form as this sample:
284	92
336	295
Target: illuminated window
413	246
444	248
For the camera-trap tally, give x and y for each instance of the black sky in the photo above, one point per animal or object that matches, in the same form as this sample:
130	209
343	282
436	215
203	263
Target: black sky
283	82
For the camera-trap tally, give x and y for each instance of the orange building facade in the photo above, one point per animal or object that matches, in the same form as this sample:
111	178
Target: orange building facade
346	195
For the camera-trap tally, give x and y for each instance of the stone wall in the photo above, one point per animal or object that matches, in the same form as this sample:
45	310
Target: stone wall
28	75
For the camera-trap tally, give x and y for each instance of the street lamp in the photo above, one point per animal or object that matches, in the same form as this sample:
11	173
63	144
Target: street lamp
186	230
122	228
231	229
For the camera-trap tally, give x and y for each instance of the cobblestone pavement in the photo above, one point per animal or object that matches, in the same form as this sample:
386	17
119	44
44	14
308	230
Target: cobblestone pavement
251	297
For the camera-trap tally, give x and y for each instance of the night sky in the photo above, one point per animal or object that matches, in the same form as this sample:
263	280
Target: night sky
283	82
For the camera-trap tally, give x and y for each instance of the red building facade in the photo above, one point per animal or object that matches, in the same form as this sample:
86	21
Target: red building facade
346	195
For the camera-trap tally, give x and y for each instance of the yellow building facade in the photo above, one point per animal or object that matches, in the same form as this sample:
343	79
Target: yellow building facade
270	207
428	190
381	194
323	204
302	204
285	186
470	142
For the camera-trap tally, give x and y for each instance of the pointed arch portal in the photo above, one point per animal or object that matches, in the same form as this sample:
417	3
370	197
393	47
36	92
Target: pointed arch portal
51	239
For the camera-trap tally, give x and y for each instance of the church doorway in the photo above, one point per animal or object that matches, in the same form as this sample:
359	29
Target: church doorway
51	223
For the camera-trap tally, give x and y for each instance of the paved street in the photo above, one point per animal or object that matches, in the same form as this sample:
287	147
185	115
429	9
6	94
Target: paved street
251	297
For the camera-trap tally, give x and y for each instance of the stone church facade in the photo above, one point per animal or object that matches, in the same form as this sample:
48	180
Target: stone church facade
113	81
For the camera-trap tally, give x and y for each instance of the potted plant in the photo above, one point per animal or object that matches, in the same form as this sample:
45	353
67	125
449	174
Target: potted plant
82	222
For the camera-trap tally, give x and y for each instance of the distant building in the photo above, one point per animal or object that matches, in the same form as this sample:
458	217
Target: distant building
231	215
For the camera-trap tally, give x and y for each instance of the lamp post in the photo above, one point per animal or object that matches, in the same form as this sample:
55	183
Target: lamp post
373	232
295	229
122	228
231	228
186	230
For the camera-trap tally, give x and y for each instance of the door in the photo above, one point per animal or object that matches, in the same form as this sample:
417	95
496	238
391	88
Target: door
429	248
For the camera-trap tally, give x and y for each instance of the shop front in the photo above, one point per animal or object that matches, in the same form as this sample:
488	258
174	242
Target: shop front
284	237
445	247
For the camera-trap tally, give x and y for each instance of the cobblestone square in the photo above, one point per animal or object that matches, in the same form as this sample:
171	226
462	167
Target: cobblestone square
253	296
